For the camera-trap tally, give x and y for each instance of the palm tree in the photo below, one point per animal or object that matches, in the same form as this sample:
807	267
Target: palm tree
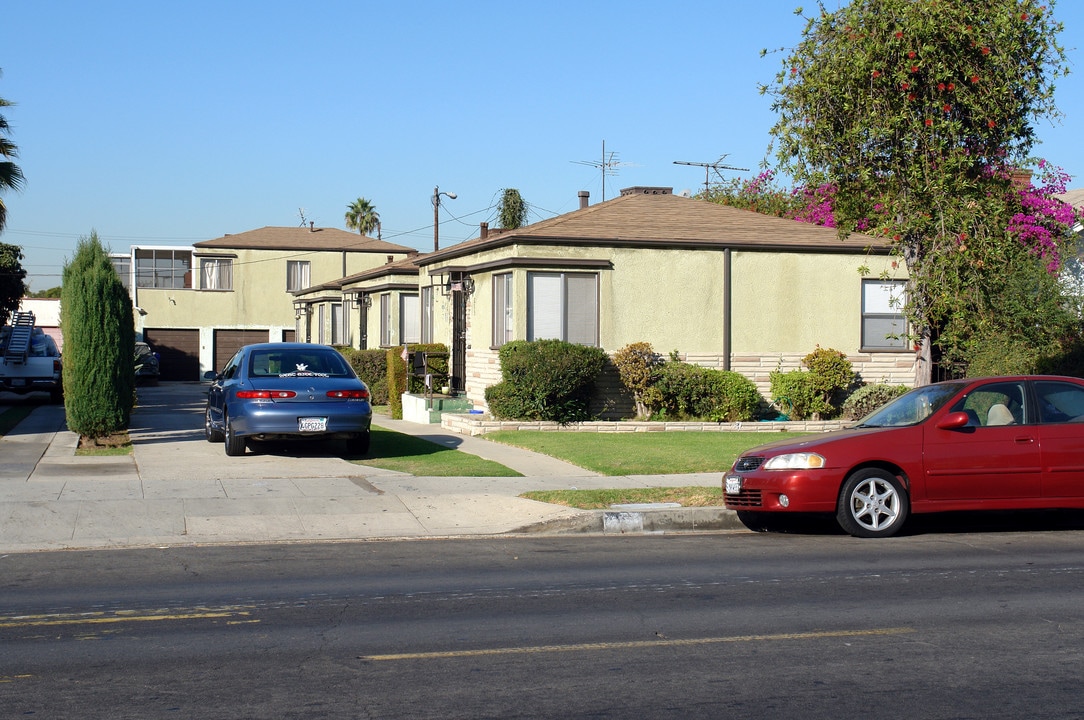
11	176
361	215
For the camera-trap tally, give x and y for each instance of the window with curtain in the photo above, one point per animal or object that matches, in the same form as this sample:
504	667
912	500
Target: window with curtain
216	273
297	275
563	306
427	314
385	319
502	309
410	319
884	326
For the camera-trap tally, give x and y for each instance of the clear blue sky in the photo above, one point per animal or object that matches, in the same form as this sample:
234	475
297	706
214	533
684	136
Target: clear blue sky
167	123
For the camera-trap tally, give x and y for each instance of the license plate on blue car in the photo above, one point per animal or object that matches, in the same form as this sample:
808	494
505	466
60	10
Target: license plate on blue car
312	424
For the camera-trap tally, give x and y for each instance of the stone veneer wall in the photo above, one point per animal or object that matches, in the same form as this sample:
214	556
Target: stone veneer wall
475	425
483	370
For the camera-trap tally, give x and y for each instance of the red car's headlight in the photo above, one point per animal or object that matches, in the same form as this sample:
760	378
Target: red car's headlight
795	461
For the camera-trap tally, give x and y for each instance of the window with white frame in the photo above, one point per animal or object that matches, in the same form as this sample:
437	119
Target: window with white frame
502	309
170	269
427	314
410	319
884	326
563	306
385	319
338	319
216	273
297	275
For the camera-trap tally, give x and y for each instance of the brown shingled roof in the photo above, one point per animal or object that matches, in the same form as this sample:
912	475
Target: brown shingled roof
668	220
302	238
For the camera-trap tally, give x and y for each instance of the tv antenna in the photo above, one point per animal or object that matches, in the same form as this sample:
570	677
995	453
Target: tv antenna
301	214
717	166
608	165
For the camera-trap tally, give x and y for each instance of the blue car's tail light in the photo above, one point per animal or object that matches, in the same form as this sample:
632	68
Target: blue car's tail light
348	394
265	394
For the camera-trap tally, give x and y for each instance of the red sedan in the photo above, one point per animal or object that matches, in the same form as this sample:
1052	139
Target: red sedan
997	443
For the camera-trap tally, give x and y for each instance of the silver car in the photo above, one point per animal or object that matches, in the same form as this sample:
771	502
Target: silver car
287	391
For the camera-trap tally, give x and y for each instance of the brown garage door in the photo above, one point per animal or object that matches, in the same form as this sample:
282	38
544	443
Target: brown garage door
178	350
227	342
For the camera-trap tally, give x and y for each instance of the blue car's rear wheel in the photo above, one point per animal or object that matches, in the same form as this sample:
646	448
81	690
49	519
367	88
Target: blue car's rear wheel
213	434
235	445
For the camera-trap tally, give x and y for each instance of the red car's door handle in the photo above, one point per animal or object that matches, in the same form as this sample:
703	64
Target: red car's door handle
1024	440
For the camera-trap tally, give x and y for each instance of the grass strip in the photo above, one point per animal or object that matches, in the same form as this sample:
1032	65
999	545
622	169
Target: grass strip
690	496
635	453
391	450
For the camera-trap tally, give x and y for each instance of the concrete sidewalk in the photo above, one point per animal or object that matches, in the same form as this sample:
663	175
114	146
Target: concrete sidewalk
178	489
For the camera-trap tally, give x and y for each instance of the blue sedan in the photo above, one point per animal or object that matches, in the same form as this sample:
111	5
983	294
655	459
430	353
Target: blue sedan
286	391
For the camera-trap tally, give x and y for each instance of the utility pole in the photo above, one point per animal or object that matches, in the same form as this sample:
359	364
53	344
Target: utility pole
436	214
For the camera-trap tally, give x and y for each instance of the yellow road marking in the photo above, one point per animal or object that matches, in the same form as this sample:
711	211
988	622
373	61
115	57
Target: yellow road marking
637	644
119	616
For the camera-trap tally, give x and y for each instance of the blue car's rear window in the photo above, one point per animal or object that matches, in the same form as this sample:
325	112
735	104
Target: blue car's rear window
298	363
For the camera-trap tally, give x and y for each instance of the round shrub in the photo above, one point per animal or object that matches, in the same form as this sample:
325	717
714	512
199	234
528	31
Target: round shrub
691	391
868	398
545	380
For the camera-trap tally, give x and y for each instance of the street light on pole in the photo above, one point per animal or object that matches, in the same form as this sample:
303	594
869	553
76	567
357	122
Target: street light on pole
436	214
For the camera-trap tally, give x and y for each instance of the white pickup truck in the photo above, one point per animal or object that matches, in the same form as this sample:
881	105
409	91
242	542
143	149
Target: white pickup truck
29	359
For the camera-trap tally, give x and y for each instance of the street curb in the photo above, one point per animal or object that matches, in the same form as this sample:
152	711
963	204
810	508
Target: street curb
627	522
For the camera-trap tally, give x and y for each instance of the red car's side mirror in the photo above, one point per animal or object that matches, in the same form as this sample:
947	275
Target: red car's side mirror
954	421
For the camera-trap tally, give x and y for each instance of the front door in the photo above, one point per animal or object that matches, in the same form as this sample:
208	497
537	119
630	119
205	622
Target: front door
459	338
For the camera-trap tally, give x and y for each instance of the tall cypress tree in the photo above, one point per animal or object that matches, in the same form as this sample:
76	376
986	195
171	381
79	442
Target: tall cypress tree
99	337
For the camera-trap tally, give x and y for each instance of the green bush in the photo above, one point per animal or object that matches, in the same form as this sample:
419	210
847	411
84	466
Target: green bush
438	367
832	373
372	367
99	338
399	382
796	395
545	380
637	366
868	398
691	391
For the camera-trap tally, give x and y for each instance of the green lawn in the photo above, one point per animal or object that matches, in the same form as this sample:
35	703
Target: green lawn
653	453
395	451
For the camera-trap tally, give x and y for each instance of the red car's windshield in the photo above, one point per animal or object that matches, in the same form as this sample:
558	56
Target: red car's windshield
914	407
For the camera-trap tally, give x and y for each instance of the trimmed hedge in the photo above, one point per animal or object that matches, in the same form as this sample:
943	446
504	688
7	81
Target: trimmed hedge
398	382
545	380
691	391
372	367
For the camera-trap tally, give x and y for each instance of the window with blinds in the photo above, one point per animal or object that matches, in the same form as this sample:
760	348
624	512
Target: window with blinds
563	306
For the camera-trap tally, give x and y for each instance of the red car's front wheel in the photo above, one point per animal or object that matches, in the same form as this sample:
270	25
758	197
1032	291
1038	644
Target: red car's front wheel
873	504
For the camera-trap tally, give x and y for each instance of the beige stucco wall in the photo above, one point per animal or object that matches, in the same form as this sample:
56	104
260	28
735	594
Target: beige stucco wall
790	302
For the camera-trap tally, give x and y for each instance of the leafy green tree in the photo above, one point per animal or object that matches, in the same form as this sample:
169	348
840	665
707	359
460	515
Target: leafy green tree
53	292
12	280
361	215
512	210
912	113
99	335
11	176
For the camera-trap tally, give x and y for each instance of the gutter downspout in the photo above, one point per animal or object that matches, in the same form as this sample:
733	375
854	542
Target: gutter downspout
727	309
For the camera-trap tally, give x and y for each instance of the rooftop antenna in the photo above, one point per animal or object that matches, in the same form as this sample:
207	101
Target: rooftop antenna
301	214
717	166
608	165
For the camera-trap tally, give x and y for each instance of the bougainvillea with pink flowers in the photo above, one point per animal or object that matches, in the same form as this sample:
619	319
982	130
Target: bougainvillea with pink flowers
903	118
